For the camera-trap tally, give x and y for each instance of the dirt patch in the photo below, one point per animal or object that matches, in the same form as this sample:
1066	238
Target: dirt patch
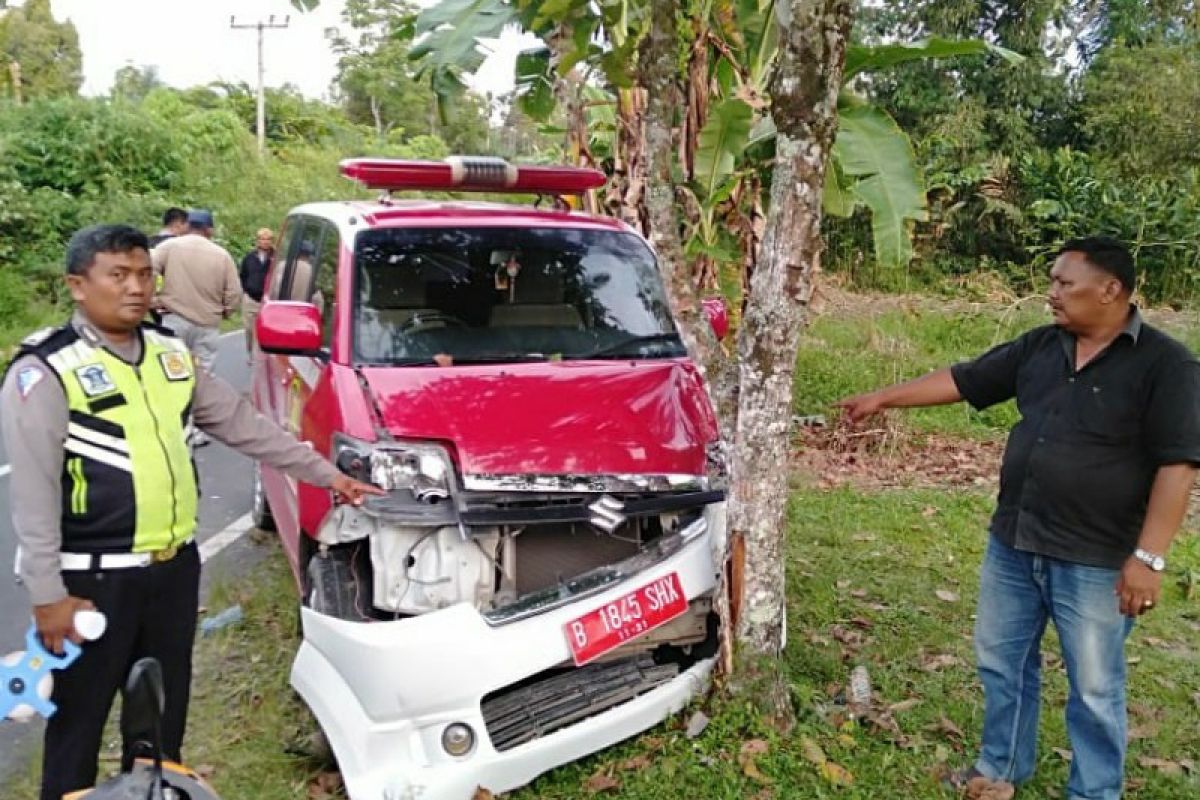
886	456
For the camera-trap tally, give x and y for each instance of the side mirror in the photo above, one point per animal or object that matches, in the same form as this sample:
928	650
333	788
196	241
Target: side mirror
142	709
718	315
289	328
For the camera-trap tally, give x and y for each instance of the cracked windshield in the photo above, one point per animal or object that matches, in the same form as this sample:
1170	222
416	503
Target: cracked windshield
491	294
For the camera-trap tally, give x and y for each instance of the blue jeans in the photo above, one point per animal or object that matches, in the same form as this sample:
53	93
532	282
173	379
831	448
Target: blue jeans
1018	593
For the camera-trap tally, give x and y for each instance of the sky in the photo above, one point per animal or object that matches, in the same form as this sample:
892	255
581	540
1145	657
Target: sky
192	43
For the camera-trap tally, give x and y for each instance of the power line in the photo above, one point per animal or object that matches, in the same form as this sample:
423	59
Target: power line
260	26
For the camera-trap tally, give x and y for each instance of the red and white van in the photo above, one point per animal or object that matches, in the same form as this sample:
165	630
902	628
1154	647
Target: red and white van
536	585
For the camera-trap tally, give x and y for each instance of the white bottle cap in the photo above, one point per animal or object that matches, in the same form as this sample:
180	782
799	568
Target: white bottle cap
90	624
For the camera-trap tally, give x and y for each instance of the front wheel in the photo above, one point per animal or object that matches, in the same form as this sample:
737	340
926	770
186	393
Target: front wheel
260	512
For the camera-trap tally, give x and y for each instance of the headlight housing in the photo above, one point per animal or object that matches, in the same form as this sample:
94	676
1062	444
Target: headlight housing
417	476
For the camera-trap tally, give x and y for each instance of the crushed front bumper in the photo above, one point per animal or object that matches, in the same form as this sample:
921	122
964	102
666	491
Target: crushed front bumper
384	692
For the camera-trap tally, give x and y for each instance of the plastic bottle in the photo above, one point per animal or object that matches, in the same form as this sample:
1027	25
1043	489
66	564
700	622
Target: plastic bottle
858	693
230	616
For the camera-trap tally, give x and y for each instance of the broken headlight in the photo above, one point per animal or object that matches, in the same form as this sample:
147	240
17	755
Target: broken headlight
417	470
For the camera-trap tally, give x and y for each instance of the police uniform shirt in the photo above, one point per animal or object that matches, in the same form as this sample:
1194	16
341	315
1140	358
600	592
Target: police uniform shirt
34	417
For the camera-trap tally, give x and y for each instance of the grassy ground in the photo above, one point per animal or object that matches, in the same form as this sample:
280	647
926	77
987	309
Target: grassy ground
879	576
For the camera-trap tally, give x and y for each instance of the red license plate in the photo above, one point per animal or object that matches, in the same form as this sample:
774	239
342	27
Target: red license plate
613	624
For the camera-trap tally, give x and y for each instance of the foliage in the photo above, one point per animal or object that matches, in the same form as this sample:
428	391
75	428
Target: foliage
1141	108
378	86
134	83
47	52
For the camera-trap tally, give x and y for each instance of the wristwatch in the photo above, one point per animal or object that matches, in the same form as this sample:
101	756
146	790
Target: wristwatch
1151	560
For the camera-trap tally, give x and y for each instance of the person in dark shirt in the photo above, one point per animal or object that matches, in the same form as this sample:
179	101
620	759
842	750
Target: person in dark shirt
1093	488
175	223
253	272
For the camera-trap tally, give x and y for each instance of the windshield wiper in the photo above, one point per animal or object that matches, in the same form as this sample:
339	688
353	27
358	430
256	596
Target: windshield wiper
620	349
500	358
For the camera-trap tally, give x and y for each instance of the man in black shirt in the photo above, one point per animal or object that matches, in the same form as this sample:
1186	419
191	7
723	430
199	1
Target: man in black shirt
1094	486
253	272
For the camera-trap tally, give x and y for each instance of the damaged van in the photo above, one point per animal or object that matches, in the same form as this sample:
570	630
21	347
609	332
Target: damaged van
537	582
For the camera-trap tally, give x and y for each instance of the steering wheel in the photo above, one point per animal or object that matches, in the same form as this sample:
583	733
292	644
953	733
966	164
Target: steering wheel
434	319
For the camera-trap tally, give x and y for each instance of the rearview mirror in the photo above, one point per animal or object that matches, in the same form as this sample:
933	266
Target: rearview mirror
141	709
717	314
289	328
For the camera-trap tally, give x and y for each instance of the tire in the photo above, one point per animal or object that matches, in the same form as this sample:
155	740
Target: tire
260	512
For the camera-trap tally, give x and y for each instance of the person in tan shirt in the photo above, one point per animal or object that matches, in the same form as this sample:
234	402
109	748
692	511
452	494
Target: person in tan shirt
200	286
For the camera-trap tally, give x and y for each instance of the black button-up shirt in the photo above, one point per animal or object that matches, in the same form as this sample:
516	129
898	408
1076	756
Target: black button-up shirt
1078	467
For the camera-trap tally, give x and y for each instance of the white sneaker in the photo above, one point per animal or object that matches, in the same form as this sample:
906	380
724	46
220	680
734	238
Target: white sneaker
200	438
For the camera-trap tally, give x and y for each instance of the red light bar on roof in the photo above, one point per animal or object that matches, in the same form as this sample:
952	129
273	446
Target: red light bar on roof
469	174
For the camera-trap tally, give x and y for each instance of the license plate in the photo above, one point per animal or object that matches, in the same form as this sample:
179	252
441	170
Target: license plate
613	624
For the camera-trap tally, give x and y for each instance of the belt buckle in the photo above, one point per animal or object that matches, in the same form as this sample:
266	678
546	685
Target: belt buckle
159	556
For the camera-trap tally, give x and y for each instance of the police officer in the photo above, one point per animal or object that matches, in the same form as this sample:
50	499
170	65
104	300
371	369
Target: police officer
97	417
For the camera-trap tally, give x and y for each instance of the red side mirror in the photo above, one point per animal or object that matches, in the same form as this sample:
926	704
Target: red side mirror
718	315
289	328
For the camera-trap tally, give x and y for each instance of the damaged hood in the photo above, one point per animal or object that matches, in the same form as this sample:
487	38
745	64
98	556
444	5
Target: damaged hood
554	418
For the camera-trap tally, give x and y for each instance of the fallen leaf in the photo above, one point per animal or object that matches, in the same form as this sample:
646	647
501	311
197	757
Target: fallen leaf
1064	754
939	662
929	511
696	725
599	782
755	747
945	726
325	785
843	584
747	759
858	593
904	705
205	771
863	537
946	596
1146	731
836	774
812	751
847	741
1163	765
634	763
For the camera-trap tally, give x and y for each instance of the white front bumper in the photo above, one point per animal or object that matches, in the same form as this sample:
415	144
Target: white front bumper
384	691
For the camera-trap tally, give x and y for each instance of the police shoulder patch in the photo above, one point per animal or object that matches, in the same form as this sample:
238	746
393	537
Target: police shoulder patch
27	378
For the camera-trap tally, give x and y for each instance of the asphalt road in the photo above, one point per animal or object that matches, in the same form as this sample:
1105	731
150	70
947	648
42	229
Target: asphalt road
225	486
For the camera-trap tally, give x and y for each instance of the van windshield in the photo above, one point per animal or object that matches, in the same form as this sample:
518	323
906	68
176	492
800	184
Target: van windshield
507	294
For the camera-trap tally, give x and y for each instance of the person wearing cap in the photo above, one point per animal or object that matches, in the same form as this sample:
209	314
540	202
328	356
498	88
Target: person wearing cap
253	275
200	286
1094	486
96	417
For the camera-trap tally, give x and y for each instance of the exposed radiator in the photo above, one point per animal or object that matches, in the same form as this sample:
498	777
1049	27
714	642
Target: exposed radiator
547	554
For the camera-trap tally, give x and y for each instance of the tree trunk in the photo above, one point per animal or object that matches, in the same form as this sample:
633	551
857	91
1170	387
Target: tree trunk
804	91
659	68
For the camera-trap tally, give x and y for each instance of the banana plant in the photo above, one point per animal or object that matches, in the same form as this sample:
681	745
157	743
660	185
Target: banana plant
874	164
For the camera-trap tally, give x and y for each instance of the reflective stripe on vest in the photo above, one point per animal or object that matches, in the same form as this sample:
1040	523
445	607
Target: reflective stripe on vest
129	484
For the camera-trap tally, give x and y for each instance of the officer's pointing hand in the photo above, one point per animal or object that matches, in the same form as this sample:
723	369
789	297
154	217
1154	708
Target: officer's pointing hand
353	492
56	621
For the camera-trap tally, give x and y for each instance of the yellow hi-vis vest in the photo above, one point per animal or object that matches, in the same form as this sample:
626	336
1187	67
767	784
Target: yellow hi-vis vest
128	480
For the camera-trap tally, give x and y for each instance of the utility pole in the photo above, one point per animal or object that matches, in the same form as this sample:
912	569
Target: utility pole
260	26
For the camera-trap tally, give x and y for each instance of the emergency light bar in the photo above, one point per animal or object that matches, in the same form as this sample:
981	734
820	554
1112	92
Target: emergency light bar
469	174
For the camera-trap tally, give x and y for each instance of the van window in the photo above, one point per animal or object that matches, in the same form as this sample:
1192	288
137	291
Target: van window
282	250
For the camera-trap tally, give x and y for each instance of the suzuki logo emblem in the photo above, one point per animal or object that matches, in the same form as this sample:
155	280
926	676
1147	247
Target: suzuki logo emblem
607	513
